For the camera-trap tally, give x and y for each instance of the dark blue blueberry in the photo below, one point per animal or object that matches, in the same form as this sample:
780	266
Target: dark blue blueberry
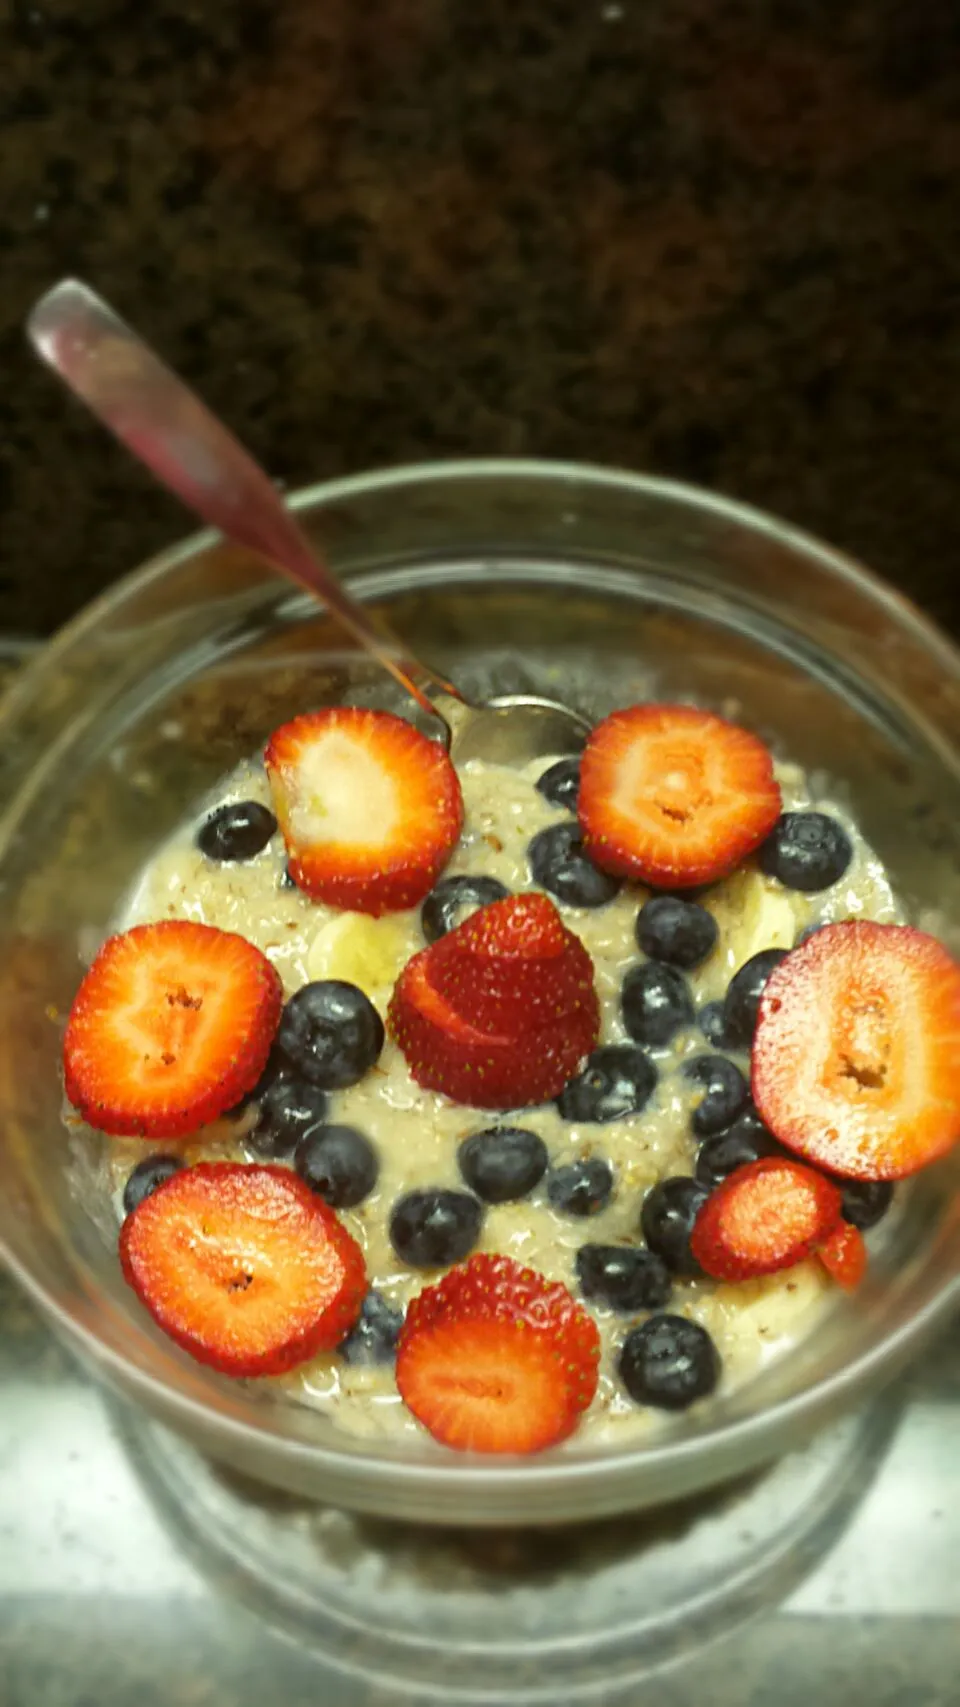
656	1003
617	1081
626	1277
666	1221
331	1033
290	1108
725	1090
865	1201
339	1164
559	865
454	899
743	997
561	784
502	1163
582	1187
145	1178
806	851
238	831
710	1021
745	1141
669	1362
680	932
432	1229
373	1338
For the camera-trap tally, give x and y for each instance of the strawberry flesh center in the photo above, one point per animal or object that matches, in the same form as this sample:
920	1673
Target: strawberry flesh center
771	1210
681	788
164	1025
339	792
864	1046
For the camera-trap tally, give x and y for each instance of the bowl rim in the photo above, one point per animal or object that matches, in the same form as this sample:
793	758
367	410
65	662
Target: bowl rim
738	1441
843	565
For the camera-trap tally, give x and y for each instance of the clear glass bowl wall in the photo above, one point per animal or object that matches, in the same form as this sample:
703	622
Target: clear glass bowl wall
596	588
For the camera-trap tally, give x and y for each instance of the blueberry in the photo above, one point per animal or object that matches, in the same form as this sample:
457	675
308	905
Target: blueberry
561	784
617	1080
623	1276
339	1164
373	1338
432	1229
238	831
725	1091
454	899
655	1002
865	1201
806	851
503	1163
581	1188
331	1033
745	1141
710	1021
669	1362
743	997
680	932
145	1178
666	1221
290	1108
559	865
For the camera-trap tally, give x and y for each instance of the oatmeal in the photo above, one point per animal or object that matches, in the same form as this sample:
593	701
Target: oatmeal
416	1133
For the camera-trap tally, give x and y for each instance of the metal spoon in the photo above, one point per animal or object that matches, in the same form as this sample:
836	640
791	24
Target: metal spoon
166	426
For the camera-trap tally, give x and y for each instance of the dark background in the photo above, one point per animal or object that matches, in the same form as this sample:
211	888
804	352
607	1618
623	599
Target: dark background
718	239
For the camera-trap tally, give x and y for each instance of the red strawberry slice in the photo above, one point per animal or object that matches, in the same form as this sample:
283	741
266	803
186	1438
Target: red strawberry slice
856	1055
370	809
245	1267
674	797
483	1070
763	1217
512	964
494	1358
844	1256
171	1026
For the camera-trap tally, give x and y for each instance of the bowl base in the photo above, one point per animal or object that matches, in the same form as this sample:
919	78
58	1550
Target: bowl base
520	1617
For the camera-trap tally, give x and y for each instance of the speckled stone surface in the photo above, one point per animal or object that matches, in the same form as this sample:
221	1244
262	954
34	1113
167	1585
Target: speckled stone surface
711	238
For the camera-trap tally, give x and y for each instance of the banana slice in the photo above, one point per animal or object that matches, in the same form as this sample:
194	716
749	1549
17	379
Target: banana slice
777	918
753	913
363	951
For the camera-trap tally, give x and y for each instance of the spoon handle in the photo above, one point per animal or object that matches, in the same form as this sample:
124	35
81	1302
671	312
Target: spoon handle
165	426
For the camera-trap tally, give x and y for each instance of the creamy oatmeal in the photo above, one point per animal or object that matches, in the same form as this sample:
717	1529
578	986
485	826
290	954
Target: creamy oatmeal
416	1132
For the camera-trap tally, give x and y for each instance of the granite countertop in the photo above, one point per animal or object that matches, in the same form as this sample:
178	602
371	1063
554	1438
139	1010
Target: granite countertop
710	238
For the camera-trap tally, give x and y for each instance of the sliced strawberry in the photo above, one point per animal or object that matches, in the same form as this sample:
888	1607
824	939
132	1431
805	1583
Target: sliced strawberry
445	1053
245	1267
763	1217
512	964
370	809
856	1055
494	1358
171	1026
673	796
844	1256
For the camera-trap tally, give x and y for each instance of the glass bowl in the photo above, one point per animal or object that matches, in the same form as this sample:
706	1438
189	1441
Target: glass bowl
595	587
